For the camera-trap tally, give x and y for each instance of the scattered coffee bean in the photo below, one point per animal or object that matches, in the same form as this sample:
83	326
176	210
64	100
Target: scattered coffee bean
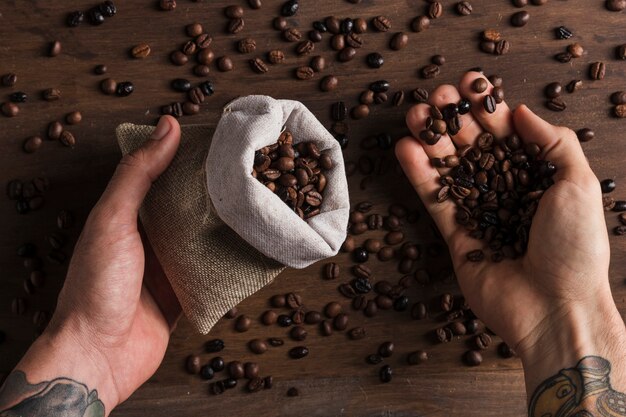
360	112
206	372
480	85
607	186
553	90
357	333
255	384
520	18
298	352
124	89
214	345
417	357
73	118
585	134
597	70
381	23
385	350
385	374
505	351
563	33
293	392
399	41
32	144
489	104
141	51
51	94
556	104
464	8
257	346
473	358
420	24
9	109
430	71
615	5
108	86
225	64
242	324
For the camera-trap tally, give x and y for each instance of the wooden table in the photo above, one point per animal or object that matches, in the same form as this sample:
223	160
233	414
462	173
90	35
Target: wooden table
333	380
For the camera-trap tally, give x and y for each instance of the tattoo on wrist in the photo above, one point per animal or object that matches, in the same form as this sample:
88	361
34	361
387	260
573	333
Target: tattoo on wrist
62	397
582	391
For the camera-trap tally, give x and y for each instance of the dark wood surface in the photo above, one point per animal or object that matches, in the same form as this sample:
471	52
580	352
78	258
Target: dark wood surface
333	380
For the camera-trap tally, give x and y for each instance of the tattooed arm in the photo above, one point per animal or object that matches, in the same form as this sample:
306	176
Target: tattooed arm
115	312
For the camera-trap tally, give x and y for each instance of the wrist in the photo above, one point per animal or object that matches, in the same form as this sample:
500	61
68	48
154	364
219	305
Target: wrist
571	332
59	353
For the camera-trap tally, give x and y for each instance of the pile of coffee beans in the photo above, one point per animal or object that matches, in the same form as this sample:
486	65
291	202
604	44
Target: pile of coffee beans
294	172
496	185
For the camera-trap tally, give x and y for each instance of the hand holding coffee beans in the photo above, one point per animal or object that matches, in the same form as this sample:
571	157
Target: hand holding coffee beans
544	226
294	173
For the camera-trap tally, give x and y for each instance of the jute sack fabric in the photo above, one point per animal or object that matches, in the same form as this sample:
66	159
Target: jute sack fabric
219	248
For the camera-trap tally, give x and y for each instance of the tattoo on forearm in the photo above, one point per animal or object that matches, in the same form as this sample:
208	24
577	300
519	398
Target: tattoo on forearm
61	397
583	391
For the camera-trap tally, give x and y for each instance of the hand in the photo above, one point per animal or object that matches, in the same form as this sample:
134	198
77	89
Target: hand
563	277
112	327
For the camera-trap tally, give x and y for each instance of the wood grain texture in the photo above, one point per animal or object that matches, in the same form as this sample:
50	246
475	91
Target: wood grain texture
333	380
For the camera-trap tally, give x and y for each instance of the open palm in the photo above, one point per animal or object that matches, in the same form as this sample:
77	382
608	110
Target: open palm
568	248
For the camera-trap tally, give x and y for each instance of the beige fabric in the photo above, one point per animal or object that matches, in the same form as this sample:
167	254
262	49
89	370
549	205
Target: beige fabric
251	209
210	267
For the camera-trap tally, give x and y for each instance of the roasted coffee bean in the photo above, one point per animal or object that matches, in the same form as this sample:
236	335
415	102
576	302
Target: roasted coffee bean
255	384
331	271
489	104
18	306
346	54
108	8
520	18
371	308
298	352
9	109
203	41
357	333
385	374
67	139
269	317
607	186
217	363
556	104
620	205
420	24
381	23
385	350
619	97
74	19
597	70
32	144
214	345
242	324
585	134
51	94
401	303
206	372
360	112
615	5
289	8
141	51
553	90
73	118
417	357
446	302
435	10
18	97
480	85
380	86
375	60
562	32
225	64
464	8
373	359
420	95
233	12
258	66
305	73
482	341
95	16
257	346
340	322
284	320
329	83
108	86
235	25
620	52
399	41
124	89
473	358
193	364
505	351
318	63
430	71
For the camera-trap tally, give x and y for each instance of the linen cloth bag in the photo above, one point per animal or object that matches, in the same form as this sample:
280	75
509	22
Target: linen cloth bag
220	234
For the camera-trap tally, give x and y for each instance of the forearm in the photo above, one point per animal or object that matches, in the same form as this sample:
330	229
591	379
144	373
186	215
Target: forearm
577	361
57	376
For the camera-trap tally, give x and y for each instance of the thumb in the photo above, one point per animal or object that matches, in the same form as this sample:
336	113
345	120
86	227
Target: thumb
137	171
559	145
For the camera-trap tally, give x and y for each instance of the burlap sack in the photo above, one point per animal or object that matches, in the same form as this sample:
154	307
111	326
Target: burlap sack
211	266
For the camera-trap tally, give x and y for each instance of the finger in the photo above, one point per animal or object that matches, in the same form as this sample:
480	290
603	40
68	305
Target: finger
137	171
559	145
425	179
500	122
416	121
470	129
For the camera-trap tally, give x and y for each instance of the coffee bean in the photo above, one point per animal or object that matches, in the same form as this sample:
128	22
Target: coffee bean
371	308
360	25
242	324
399	41
217	363
357	333
206	372
32	144
305	48
193	364
124	89
553	90
489	104
108	86
464	8
74	19
420	24
446	302
225	64
417	357
482	341
597	70
620	205
51	94
233	12
255	384
607	186
214	345
346	54
258	66
619	97
329	83
360	112
373	359
205	57
385	350
401	303
194	29
520	18
9	109
332	309
235	25
284	320
331	271
289	8
340	322
585	134
430	71
620	111
381	23
73	118
298	352
505	351
420	95
385	374
304	73
472	358
141	51
293	300
269	317
556	104
620	52
257	346
293	392
395	237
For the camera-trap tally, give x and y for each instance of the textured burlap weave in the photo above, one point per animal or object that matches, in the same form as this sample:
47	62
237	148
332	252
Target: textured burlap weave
209	265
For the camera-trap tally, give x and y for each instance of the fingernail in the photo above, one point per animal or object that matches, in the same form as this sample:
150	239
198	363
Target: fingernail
162	129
